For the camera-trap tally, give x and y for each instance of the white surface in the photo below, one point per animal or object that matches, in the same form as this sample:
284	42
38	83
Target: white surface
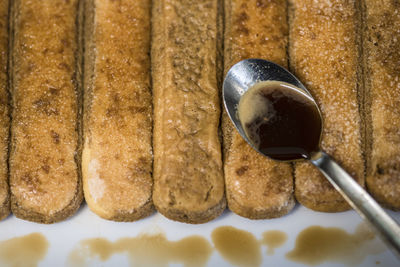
64	237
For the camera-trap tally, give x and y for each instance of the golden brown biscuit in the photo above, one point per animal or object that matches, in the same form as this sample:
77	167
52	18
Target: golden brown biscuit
382	99
188	179
117	153
256	187
4	112
45	143
324	54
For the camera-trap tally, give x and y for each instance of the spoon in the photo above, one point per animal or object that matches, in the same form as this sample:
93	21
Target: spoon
280	85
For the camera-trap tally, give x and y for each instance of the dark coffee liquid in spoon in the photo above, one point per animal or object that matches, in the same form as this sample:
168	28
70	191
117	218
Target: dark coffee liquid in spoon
282	123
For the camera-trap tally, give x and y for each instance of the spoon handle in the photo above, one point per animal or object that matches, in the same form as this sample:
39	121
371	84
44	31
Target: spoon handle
360	200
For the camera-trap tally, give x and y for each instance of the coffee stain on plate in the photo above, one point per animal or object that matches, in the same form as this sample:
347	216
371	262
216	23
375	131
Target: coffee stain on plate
316	244
26	250
236	246
273	239
145	250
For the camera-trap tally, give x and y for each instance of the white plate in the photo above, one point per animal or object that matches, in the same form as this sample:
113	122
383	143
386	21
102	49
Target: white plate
64	237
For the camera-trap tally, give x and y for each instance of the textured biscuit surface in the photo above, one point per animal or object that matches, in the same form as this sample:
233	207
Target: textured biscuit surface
44	160
117	153
324	56
382	76
256	187
4	112
188	180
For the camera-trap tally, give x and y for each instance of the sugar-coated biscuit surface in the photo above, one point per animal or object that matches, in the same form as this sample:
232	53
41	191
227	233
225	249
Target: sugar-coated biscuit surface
324	55
44	160
4	112
382	68
188	177
117	152
256	187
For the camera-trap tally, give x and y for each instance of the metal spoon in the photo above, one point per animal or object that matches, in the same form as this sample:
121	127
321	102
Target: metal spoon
249	72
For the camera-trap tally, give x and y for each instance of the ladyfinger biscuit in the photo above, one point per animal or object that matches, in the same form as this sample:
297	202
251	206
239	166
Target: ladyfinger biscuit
117	153
382	79
4	112
45	142
256	187
188	179
324	53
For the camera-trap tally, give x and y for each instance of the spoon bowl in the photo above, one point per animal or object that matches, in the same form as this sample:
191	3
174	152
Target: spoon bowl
244	77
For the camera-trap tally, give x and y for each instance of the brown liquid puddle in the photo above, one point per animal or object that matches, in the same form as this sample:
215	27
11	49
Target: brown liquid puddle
145	250
26	250
273	239
237	246
241	248
316	244
281	122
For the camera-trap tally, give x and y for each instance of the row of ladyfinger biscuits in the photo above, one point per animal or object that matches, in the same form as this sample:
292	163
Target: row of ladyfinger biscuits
346	53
